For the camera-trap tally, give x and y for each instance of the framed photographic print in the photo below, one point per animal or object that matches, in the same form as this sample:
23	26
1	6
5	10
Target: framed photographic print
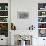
22	15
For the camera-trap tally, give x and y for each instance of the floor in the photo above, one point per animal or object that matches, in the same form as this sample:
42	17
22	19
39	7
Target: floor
3	45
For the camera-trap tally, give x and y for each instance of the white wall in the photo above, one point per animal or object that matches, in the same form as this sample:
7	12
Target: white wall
26	6
30	6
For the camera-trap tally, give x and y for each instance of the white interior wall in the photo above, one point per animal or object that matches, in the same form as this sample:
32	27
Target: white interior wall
26	6
30	6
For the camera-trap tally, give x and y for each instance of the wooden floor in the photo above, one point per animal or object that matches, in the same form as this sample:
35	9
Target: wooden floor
3	45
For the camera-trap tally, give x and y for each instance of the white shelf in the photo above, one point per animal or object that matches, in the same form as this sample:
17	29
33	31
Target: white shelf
42	16
41	10
41	28
3	10
41	22
3	16
3	22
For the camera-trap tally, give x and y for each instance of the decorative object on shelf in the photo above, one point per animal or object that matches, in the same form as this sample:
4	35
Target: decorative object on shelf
4	26
3	19
42	32
40	25
6	7
41	13
41	6
4	29
31	27
22	15
41	19
3	13
0	7
13	27
3	6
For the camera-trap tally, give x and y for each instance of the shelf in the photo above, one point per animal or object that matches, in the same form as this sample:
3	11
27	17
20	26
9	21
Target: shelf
41	22
4	19
41	28
3	22
41	10
3	16
3	10
42	16
42	19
